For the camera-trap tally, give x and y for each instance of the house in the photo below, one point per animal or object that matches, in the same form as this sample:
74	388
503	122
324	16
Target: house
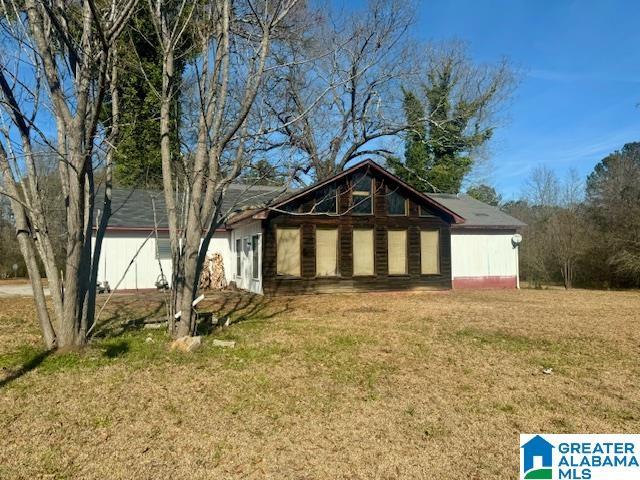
363	229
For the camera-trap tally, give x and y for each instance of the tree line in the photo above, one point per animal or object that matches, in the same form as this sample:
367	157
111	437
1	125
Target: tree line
583	232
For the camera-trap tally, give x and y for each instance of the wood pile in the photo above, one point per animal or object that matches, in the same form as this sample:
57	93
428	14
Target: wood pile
213	273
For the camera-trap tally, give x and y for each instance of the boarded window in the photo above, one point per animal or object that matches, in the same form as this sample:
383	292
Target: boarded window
396	204
363	252
255	256
288	251
163	249
397	250
430	252
326	252
361	198
238	257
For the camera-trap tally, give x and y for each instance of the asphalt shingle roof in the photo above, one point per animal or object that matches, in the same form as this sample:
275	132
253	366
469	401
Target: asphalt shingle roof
134	208
476	213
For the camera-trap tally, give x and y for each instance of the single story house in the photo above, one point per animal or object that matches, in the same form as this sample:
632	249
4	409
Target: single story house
362	229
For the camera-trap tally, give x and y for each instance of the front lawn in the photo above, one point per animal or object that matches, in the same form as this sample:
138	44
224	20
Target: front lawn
381	385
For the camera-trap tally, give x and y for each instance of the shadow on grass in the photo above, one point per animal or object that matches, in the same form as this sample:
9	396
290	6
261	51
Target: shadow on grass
241	307
26	367
127	315
116	349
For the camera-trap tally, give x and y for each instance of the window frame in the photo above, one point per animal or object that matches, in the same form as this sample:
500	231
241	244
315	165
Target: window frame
406	204
363	194
327	190
422	208
255	257
406	252
166	249
238	251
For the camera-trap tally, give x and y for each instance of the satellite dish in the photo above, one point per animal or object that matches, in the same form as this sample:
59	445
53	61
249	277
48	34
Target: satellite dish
516	239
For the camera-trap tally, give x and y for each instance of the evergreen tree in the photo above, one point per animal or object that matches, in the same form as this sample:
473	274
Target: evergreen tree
486	194
450	122
137	158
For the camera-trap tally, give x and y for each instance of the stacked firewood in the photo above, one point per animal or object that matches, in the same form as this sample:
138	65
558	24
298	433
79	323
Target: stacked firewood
213	273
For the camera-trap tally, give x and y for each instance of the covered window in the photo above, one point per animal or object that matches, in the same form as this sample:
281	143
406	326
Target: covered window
430	252
326	200
163	249
397	251
363	252
255	256
396	204
361	199
288	251
326	252
238	257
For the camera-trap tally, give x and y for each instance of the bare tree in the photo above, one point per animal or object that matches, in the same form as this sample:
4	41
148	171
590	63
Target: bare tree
233	44
566	228
58	62
347	102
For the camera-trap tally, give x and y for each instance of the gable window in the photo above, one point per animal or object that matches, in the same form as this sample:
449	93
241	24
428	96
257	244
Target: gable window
363	252
326	252
255	256
424	212
396	203
163	249
327	200
238	257
397	251
288	251
429	252
361	198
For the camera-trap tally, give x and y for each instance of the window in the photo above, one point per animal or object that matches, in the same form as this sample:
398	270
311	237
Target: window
361	199
397	251
430	252
163	249
326	252
288	251
326	201
238	257
255	256
363	252
396	204
424	212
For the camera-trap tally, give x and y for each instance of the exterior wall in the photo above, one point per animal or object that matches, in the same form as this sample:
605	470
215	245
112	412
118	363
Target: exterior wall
246	279
119	248
483	259
345	281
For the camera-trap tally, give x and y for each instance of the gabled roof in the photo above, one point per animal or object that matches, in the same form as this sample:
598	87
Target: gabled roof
368	163
476	214
133	209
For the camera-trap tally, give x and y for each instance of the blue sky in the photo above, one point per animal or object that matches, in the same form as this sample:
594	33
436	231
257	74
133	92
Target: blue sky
580	89
580	84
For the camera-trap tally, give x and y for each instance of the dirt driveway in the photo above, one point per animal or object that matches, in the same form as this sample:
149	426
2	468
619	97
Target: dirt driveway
17	290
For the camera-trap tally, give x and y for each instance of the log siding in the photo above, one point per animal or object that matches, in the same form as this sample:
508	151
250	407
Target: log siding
380	222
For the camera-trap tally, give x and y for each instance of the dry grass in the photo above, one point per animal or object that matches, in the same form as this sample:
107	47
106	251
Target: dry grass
343	386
